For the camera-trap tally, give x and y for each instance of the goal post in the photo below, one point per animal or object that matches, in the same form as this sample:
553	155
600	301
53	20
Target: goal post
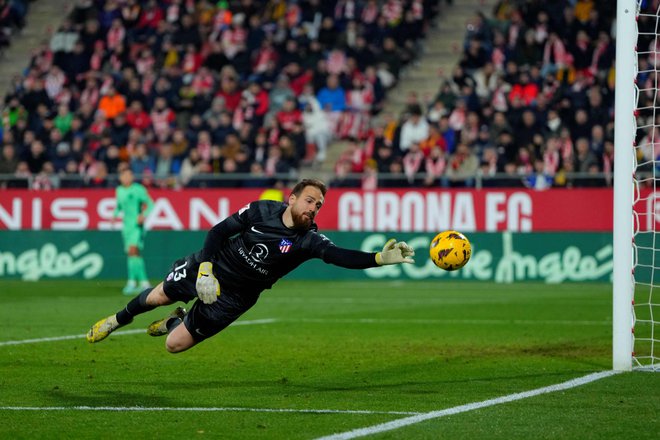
636	234
624	139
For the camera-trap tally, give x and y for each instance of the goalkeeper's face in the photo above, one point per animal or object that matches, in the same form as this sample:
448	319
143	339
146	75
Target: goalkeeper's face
305	207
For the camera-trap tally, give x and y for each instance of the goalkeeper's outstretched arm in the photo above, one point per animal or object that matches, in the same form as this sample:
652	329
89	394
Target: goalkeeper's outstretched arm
393	253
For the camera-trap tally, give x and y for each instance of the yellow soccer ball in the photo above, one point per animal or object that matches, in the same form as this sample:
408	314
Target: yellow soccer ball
450	250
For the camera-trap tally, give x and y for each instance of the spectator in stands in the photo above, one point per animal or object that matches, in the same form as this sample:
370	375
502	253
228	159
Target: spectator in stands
475	57
581	128
62	156
69	177
524	90
317	128
491	163
332	97
485	81
461	167
539	179
167	165
448	134
413	163
191	167
21	176
527	128
36	156
435	165
584	157
555	55
288	116
275	165
528	51
414	130
279	93
434	139
8	160
344	177
162	119
112	103
46	179
395	176
141	161
384	156
137	117
565	178
100	177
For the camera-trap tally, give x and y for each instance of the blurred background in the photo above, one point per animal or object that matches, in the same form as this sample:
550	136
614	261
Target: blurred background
364	94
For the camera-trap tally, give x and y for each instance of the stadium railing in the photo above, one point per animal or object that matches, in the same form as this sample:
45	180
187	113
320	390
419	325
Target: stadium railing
246	180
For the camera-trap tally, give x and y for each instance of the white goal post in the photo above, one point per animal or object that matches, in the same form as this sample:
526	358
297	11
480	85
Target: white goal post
636	172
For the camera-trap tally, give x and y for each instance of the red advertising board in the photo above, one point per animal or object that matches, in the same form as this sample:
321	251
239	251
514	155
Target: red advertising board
417	210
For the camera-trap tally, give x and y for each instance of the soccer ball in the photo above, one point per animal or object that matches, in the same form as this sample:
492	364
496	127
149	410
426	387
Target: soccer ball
450	250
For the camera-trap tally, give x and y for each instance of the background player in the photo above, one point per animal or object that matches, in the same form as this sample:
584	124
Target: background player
246	254
134	203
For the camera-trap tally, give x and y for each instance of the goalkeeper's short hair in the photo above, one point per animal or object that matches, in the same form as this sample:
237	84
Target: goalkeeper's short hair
300	186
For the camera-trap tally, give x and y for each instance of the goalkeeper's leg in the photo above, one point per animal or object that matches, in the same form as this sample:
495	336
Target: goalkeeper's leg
206	320
179	339
163	326
148	300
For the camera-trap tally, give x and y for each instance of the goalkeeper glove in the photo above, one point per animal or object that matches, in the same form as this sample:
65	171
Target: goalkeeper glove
208	286
394	253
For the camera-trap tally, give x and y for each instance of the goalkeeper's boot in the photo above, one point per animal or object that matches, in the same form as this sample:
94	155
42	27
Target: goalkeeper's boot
102	329
159	328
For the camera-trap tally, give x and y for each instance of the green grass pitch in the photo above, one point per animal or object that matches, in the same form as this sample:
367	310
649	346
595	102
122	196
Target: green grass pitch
377	347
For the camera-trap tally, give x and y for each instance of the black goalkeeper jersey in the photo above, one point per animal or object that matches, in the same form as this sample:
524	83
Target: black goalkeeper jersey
252	249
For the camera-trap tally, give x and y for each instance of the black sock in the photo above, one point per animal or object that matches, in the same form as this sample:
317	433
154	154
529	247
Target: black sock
134	307
172	323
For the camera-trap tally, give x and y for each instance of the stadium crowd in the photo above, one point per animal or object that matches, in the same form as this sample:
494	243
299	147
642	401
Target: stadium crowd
531	104
185	91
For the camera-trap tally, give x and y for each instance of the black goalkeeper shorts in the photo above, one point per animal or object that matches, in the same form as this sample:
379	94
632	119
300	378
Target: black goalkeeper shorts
204	320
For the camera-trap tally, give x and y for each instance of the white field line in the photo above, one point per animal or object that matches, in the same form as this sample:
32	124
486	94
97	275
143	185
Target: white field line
399	423
448	321
117	333
202	409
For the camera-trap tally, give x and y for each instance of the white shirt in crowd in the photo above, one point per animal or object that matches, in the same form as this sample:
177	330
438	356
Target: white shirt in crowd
414	130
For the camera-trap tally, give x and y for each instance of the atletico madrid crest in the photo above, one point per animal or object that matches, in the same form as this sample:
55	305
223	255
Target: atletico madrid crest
285	245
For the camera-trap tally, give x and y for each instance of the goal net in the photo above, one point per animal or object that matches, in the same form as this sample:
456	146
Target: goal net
643	302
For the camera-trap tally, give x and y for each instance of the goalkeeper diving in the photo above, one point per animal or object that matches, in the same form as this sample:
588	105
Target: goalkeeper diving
242	256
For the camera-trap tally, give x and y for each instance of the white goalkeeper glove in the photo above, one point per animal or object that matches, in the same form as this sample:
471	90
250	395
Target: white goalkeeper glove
394	253
208	286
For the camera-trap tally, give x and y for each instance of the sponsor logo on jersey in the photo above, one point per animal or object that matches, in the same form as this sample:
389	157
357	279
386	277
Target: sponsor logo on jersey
285	245
256	256
259	252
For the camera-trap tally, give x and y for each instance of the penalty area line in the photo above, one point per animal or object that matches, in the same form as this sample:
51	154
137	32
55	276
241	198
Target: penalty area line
202	409
400	423
117	333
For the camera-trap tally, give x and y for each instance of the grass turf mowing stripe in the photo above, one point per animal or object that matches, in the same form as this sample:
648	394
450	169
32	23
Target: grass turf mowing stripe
117	333
400	423
203	409
348	321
